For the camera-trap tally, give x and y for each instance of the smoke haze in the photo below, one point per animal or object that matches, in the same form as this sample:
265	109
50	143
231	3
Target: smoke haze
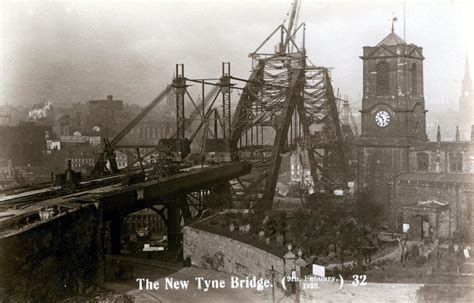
76	51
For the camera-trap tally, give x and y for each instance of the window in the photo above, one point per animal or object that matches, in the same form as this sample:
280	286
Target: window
423	161
455	162
414	80
382	79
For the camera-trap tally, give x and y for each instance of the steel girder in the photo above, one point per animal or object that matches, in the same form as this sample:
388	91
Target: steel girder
326	146
226	105
265	108
281	136
279	86
179	85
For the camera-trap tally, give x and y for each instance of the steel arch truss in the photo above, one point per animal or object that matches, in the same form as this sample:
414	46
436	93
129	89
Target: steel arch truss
283	104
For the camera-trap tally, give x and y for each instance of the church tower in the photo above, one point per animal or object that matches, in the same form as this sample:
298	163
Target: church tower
393	116
393	105
466	104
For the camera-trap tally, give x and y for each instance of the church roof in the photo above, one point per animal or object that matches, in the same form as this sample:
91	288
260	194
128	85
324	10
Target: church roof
431	204
437	177
391	39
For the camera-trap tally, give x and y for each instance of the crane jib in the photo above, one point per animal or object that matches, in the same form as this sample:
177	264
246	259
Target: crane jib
140	116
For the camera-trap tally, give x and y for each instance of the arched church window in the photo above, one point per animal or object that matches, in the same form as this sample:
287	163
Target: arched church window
414	80
455	162
423	161
382	79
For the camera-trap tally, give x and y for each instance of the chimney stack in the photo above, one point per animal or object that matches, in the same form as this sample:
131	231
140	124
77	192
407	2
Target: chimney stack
438	135
458	137
110	97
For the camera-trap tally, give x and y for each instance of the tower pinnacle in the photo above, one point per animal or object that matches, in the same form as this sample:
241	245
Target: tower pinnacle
467	76
394	19
466	82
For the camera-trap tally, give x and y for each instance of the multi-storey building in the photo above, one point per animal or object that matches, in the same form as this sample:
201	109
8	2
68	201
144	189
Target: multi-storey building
104	115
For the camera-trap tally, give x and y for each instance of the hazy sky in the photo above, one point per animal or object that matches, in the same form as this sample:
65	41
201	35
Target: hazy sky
75	51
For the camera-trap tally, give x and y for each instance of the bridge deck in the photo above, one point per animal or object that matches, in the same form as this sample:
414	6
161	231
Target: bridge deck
117	198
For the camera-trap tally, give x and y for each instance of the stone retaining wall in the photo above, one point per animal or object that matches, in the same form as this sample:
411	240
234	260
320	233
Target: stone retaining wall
212	251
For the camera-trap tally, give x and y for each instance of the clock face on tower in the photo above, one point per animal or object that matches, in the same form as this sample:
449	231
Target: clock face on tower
382	118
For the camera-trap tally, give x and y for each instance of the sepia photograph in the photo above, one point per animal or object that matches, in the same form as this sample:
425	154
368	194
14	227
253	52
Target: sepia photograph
236	151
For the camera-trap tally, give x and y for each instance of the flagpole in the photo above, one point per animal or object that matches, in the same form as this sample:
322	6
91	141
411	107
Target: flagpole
404	22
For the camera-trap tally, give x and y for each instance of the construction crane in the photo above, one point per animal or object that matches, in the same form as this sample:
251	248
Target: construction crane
201	109
108	154
295	10
290	99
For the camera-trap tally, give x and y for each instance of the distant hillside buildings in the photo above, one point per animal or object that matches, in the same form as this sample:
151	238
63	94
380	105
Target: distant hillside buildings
24	144
47	139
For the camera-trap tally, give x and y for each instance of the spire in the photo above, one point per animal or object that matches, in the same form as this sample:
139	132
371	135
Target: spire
466	82
438	135
458	137
467	76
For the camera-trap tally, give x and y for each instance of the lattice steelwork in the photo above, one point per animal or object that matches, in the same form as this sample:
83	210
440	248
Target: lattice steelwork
285	102
179	85
326	140
225	89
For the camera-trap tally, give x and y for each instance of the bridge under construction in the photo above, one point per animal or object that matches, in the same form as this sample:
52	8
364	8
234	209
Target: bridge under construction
224	154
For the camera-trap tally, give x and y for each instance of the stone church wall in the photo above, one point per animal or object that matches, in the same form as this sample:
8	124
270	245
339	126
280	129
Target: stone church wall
438	219
458	196
439	156
378	166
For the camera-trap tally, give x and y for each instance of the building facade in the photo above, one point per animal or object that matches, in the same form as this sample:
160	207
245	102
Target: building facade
104	114
24	144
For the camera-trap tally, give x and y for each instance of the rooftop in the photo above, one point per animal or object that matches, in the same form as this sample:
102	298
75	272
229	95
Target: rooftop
431	204
391	39
435	177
